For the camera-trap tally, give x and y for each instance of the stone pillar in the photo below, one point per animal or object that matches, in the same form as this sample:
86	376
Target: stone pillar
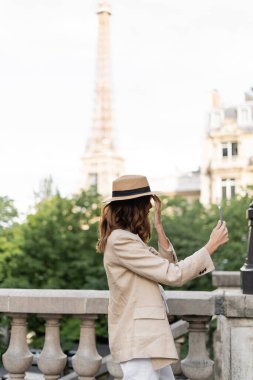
197	365
52	360
17	359
235	347
114	369
86	362
176	367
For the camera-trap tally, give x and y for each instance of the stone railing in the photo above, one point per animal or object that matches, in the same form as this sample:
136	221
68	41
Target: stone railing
226	279
235	330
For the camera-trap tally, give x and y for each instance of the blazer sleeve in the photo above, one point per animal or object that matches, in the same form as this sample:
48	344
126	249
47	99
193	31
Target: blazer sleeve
168	254
140	259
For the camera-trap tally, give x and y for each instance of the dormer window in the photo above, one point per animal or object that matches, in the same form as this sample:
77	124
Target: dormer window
244	115
229	149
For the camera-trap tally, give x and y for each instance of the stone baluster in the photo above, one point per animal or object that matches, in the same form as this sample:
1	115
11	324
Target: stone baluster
17	359
176	367
197	365
114	369
52	360
86	362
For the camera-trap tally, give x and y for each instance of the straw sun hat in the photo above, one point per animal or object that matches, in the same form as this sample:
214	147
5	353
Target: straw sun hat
129	187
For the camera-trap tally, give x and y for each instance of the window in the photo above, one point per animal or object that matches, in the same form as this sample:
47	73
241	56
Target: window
244	115
229	149
227	188
93	181
234	149
224	189
232	188
224	149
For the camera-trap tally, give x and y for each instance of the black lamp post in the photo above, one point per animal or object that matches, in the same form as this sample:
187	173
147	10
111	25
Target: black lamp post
247	268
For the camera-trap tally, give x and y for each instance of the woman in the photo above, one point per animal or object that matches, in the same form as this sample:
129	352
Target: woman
140	338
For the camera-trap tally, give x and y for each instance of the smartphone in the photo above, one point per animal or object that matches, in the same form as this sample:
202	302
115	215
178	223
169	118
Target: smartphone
220	213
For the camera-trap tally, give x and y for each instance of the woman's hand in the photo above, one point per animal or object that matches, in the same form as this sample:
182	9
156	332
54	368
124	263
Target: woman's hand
218	237
162	239
157	218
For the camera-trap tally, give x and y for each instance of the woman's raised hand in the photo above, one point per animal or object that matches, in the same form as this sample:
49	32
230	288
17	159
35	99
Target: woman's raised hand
162	239
218	237
157	218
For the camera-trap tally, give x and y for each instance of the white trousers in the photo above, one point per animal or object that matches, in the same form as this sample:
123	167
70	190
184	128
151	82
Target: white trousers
142	369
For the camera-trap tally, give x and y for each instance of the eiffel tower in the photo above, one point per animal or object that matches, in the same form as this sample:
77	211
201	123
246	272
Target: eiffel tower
102	162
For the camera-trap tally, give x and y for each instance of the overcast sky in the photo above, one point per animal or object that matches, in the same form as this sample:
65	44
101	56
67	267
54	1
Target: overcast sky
167	56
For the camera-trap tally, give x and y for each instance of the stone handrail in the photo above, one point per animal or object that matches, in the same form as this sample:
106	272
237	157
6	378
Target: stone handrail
48	301
226	279
197	308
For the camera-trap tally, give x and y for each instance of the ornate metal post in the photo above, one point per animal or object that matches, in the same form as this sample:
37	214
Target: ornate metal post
247	268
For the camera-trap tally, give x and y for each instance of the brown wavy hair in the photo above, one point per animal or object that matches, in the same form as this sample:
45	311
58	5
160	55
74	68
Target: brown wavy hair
130	214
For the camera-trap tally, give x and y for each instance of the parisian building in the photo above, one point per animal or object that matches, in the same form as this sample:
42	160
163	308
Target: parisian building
227	165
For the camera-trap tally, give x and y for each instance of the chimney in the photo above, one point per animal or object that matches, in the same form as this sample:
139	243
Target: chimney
215	99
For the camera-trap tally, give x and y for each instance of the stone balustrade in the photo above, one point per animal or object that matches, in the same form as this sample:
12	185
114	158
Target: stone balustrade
196	308
226	279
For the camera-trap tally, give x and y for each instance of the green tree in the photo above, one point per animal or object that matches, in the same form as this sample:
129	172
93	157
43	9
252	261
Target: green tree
232	255
8	212
9	239
46	190
58	245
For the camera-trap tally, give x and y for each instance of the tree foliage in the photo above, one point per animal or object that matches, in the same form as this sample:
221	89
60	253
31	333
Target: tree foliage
8	212
9	239
57	246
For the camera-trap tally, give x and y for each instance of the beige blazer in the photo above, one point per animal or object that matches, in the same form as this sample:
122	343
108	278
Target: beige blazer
137	322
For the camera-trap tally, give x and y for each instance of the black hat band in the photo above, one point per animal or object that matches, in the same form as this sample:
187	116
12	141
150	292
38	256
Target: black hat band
140	190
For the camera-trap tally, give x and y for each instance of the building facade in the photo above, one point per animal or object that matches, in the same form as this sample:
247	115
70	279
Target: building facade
227	166
101	162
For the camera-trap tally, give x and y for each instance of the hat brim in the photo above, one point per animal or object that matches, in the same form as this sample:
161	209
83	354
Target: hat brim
126	197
